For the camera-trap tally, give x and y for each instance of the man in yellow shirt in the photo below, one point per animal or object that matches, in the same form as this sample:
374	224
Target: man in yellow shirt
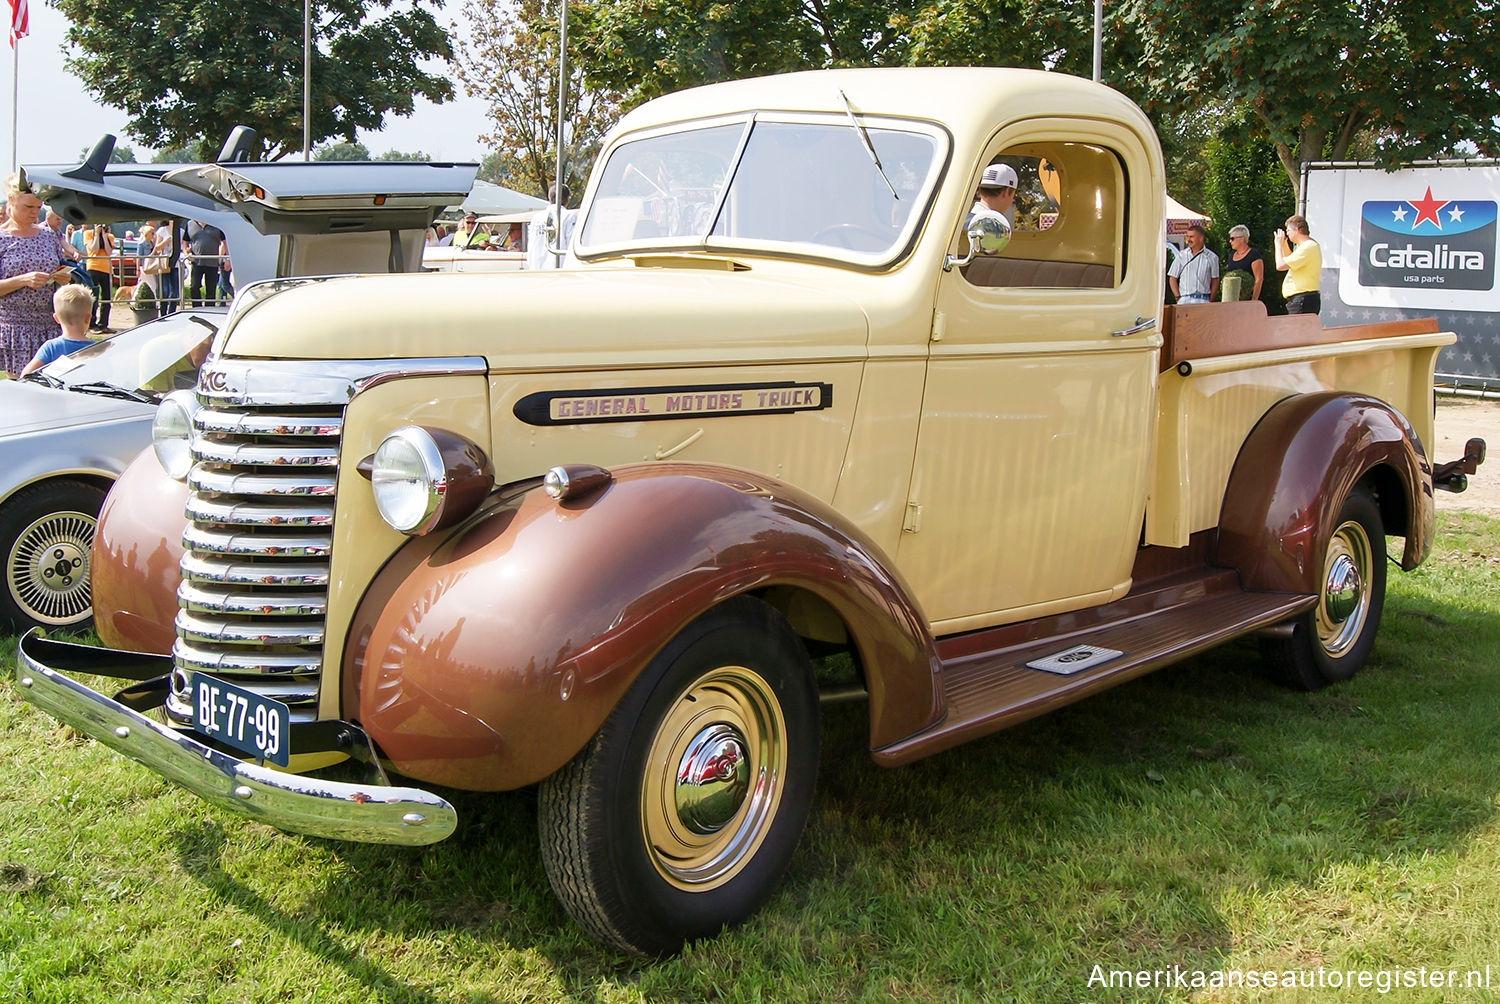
1300	257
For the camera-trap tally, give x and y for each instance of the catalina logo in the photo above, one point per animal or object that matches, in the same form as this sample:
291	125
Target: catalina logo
1427	243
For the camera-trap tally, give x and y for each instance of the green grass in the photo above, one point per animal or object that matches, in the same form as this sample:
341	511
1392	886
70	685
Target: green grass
1201	817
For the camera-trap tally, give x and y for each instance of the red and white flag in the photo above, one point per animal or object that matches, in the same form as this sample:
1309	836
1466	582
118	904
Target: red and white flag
20	23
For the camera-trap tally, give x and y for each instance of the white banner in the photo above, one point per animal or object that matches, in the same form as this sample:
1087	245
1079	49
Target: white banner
1421	238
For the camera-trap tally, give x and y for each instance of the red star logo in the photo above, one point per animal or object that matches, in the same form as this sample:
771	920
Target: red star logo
1427	209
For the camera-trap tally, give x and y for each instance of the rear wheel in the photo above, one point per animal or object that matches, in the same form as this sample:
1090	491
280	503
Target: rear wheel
1332	641
46	531
682	813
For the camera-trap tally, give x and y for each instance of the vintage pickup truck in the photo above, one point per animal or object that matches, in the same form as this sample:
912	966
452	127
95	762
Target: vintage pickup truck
595	529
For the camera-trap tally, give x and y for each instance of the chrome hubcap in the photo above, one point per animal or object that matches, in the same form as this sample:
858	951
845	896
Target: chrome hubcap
713	778
1342	589
48	568
1344	605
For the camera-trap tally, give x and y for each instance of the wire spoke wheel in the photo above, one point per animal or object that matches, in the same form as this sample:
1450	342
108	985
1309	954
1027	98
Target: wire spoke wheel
46	532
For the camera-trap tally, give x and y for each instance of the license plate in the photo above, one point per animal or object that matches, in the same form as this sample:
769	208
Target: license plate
241	719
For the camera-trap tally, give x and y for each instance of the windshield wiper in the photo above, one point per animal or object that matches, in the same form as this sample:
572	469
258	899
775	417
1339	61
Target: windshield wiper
43	377
864	137
110	390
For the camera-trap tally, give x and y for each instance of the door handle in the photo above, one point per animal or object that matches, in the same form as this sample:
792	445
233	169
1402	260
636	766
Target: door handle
1141	324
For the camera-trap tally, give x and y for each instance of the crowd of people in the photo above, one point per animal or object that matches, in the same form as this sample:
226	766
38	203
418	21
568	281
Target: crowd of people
469	233
1194	277
539	239
41	258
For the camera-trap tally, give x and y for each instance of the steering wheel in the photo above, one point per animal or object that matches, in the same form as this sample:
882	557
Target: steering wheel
840	234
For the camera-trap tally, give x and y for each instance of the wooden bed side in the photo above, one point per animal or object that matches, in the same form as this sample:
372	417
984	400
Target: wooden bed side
1198	331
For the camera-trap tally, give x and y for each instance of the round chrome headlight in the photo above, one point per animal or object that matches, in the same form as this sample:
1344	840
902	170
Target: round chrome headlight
427	478
172	433
408	479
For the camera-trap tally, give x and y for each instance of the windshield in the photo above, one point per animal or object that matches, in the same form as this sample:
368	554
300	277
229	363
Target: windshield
154	358
803	187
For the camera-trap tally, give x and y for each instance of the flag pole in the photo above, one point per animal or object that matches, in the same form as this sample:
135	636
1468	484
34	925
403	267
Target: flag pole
306	79
1098	40
15	78
562	94
20	27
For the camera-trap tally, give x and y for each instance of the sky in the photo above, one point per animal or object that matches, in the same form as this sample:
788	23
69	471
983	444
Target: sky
55	118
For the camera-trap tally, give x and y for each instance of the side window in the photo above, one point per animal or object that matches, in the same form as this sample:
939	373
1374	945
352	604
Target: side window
1067	212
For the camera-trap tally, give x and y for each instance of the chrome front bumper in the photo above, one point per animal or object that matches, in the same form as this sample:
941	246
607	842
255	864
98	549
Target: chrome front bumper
377	814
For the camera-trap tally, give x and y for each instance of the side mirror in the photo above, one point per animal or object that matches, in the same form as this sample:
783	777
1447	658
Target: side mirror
987	235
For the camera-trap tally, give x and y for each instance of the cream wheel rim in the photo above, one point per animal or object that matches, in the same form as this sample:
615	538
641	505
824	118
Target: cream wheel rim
714	776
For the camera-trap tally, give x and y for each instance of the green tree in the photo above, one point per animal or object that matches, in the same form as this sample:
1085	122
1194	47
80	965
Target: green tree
511	63
645	48
176	155
341	151
121	154
189	70
1319	74
1245	184
396	155
1026	33
499	168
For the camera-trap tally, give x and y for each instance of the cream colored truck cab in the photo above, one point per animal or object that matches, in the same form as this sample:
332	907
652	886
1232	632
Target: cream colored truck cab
588	528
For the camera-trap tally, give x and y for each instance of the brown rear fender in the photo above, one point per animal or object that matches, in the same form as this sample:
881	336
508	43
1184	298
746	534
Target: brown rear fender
134	566
1292	475
488	659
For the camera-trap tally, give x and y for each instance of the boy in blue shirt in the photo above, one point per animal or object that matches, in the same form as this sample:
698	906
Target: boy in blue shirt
71	307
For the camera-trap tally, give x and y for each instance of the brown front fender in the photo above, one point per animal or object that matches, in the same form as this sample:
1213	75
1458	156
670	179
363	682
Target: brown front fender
488	660
1296	468
134	565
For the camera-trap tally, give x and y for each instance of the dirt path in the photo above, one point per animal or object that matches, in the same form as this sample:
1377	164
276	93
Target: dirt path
1458	420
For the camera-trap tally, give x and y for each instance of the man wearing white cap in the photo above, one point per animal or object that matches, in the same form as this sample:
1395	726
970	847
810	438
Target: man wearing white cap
997	194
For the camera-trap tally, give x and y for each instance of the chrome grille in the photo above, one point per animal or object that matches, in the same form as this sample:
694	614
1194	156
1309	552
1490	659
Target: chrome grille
254	593
253	601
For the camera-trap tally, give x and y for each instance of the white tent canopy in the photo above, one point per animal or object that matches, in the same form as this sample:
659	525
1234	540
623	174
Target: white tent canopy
488	199
1179	217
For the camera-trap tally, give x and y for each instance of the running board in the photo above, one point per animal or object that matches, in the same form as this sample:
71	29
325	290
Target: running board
988	691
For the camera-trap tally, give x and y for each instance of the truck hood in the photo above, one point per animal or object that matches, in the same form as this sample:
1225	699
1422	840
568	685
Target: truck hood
28	408
599	318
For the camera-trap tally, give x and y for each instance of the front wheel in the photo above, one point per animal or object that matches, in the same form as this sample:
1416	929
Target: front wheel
1331	642
46	531
681	814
